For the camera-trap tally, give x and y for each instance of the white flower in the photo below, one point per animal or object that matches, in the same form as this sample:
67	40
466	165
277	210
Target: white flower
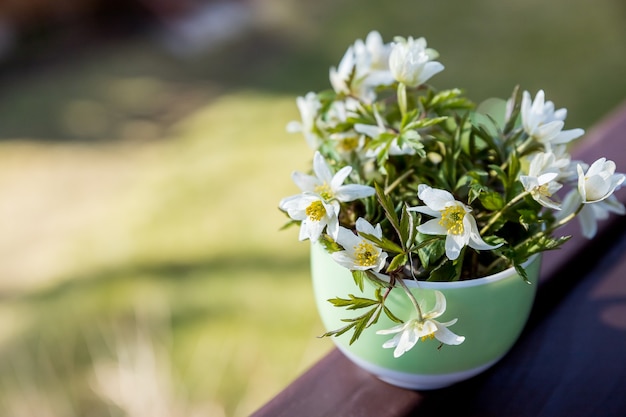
543	123
411	62
318	205
541	179
328	186
452	218
314	213
376	55
599	182
308	106
363	67
589	214
360	253
409	333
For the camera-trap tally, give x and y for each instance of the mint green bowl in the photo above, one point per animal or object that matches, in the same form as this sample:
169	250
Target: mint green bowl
491	312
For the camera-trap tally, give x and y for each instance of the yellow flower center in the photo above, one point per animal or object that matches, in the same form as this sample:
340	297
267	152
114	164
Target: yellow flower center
365	254
542	190
428	336
452	219
316	211
324	191
348	144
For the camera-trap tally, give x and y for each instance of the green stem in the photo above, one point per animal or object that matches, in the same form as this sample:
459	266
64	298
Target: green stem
496	216
409	294
398	180
402	99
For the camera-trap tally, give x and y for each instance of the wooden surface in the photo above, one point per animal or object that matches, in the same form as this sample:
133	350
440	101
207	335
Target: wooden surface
569	361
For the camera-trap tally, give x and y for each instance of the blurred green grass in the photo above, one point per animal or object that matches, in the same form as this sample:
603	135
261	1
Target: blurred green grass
139	191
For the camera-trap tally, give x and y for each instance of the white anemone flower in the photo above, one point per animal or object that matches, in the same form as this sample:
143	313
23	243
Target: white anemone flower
360	253
452	219
599	182
589	214
411	62
377	53
318	204
308	106
543	123
314	213
541	179
328	186
409	333
363	67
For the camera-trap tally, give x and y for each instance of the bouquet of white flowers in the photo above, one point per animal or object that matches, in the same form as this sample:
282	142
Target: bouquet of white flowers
410	182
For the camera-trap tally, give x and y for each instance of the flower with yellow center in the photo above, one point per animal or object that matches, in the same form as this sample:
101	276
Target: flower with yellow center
328	186
451	218
314	215
317	207
409	333
541	179
360	253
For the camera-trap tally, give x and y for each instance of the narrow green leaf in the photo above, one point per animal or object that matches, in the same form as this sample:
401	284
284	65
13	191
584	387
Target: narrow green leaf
359	277
398	262
388	207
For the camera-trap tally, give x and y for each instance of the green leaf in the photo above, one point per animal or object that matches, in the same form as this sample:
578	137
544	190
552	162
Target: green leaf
398	262
384	243
475	190
407	227
491	200
391	316
359	278
432	252
329	244
388	207
447	271
500	173
353	303
426	122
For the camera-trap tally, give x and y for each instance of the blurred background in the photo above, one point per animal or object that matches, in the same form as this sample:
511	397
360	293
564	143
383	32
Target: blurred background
143	153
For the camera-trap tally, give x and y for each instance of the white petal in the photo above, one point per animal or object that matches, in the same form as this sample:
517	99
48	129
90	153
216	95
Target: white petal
434	198
548	131
321	169
363	226
475	240
567	136
305	182
432	227
393	342
430	69
395	329
587	221
368	130
408	339
425	210
445	335
339	177
454	244
294	127
344	259
351	192
440	306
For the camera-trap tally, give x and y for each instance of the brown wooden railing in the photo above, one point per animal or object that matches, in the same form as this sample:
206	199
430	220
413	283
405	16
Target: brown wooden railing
569	361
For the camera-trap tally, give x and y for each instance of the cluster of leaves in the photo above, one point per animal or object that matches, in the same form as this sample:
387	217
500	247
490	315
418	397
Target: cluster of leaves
475	157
